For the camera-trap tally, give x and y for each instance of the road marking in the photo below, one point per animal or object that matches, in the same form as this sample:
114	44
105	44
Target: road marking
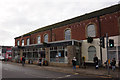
104	76
76	73
32	74
60	77
67	75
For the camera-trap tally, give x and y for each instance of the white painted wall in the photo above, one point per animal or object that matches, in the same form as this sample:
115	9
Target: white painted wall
85	46
96	43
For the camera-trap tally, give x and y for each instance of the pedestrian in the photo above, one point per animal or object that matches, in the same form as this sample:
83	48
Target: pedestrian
74	63
106	63
40	61
23	61
113	63
83	62
95	59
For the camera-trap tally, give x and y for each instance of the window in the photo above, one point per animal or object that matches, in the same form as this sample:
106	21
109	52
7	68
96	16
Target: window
46	38
18	43
91	53
28	41
22	42
67	34
58	54
91	32
38	40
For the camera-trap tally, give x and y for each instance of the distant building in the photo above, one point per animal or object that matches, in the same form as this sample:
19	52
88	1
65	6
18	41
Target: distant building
6	52
59	43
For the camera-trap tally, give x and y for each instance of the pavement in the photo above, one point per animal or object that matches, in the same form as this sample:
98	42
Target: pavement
89	70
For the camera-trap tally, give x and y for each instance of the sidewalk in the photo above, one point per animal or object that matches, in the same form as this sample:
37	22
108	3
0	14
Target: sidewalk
87	71
90	70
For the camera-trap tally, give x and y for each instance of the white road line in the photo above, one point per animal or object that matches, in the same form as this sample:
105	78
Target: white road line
60	77
76	73
67	75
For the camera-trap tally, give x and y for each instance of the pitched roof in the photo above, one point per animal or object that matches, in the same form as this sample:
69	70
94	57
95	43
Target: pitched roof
94	14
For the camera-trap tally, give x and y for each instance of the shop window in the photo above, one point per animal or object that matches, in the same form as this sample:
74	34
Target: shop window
46	38
67	34
38	40
29	55
35	54
91	53
53	54
28	41
58	54
112	54
91	32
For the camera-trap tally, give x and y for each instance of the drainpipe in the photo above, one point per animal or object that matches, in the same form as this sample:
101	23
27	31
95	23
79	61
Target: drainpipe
51	34
99	24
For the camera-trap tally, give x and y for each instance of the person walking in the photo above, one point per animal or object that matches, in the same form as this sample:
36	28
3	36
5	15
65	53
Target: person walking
95	59
83	62
113	64
23	61
40	61
74	63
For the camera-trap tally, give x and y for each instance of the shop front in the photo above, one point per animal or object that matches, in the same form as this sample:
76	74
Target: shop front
58	53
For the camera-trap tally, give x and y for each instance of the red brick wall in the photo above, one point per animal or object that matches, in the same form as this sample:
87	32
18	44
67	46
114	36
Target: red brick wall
109	24
20	39
41	34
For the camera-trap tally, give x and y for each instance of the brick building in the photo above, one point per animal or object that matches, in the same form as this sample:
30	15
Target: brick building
59	43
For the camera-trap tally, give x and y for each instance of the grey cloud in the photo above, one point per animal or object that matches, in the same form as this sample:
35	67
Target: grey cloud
21	16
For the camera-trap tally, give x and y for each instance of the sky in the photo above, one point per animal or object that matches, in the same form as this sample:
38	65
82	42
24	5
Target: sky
18	17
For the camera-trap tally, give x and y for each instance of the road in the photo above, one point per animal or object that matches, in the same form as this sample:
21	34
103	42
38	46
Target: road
18	71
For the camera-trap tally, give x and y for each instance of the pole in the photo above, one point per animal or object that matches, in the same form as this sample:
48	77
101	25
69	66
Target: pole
107	54
98	17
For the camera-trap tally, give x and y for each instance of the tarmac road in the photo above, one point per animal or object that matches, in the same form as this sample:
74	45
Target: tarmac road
18	71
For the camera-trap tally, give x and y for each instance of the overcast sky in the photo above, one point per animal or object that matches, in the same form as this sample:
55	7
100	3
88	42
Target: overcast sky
18	17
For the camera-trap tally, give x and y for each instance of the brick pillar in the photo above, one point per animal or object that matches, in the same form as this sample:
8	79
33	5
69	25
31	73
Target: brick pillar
21	53
47	54
70	53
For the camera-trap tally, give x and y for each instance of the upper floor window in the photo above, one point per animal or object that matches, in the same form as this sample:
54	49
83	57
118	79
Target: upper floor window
91	32
38	40
67	34
18	43
28	41
46	38
23	42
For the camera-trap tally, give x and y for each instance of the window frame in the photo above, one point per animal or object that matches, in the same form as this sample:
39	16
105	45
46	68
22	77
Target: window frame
39	40
95	30
22	42
92	53
67	34
47	38
17	42
27	41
